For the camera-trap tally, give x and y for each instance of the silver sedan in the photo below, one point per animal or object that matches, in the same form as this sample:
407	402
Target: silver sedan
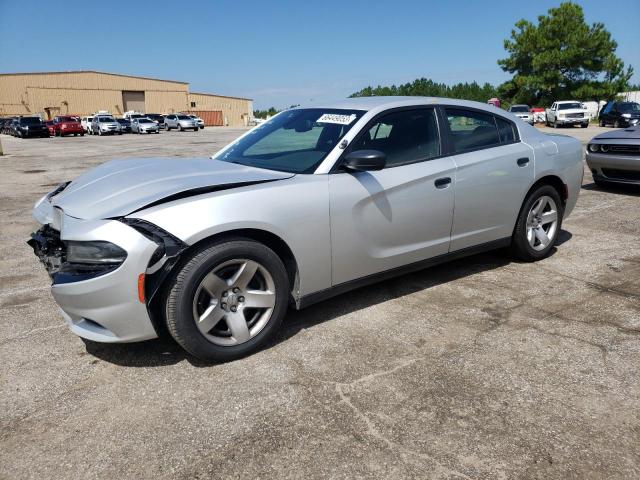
310	204
144	125
614	157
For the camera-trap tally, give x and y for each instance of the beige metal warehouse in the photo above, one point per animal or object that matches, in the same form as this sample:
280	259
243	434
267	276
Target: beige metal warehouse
84	92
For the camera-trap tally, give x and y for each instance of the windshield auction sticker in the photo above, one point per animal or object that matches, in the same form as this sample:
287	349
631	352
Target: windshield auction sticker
336	118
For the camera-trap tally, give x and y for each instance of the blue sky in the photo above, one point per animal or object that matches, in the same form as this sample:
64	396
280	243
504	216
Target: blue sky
286	52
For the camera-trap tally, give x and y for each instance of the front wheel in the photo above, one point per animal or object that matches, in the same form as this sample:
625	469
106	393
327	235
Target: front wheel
584	125
227	300
538	224
616	124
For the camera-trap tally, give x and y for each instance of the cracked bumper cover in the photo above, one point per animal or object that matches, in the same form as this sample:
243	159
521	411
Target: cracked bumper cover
103	308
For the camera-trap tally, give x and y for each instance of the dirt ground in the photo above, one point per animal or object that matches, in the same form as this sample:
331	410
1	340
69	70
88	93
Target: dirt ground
483	368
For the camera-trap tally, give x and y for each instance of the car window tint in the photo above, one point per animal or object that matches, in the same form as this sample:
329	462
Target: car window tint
506	131
472	130
404	136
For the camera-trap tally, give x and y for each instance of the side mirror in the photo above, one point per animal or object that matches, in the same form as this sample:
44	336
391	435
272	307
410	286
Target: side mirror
365	160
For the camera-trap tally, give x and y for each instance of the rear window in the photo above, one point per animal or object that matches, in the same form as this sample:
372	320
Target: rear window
472	130
520	109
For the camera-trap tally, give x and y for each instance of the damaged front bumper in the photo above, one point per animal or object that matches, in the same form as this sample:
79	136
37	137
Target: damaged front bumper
100	303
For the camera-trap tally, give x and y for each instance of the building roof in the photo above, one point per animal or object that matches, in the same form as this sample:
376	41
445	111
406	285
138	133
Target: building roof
216	95
95	71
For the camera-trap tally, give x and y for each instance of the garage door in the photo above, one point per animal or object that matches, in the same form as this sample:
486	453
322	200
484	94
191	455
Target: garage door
211	118
133	101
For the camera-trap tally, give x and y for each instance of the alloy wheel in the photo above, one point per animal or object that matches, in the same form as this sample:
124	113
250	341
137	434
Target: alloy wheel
542	223
234	302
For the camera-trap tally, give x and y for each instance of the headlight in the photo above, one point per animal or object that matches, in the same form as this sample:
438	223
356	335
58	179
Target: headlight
94	253
561	115
604	148
594	147
626	115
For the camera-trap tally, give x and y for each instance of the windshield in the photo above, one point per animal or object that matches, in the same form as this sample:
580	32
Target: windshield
630	107
30	121
145	120
520	108
569	106
183	117
66	119
106	119
295	141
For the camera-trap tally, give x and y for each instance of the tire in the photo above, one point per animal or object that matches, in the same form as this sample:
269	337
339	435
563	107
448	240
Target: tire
179	128
531	250
584	125
554	124
82	134
600	183
602	124
100	132
616	124
186	298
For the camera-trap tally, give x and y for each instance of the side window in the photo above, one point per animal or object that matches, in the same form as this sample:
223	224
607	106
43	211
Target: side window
506	131
608	107
471	130
405	137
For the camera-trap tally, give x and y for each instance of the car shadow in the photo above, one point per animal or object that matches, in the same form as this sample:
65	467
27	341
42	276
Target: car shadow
621	188
165	351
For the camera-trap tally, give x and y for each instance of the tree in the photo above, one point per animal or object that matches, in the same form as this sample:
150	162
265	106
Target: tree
428	88
562	58
265	113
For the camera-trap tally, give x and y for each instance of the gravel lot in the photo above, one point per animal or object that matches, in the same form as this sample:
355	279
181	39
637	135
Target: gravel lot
482	368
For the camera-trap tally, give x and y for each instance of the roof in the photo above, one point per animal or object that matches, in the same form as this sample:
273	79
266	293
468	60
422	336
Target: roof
94	71
371	103
221	96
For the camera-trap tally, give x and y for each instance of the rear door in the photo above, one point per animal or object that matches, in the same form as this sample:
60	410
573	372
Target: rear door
494	171
402	214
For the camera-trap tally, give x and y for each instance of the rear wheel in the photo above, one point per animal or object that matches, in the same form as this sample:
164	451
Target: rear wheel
616	124
227	300
602	124
538	224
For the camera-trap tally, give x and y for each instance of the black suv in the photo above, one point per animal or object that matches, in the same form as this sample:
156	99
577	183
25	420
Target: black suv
31	127
620	114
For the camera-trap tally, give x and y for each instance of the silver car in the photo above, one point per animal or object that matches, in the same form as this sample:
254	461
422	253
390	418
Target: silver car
310	204
614	157
104	125
181	122
198	120
523	112
144	125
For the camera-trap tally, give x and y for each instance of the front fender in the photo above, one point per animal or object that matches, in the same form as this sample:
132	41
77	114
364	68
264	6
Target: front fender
294	209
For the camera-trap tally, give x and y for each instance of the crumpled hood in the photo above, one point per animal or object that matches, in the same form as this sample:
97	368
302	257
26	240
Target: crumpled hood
119	187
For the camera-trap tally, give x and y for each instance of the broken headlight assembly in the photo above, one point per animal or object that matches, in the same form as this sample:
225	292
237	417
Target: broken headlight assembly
94	253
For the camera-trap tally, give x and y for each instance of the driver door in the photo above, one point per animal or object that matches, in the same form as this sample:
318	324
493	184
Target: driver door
401	214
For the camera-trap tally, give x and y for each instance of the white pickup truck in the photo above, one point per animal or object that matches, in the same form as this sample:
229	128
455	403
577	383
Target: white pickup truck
567	112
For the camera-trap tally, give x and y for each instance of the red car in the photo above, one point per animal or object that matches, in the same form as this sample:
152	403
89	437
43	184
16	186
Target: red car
66	125
52	129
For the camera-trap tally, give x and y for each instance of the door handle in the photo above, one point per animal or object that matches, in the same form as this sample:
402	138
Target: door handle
523	162
442	182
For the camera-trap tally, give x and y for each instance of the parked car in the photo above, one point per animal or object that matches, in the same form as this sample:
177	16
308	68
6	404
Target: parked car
105	125
27	127
614	157
523	112
125	125
156	117
181	122
620	114
66	125
311	204
567	112
197	119
6	126
86	124
50	127
144	125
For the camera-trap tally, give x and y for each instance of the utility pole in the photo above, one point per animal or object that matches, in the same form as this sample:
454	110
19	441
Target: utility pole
1	148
